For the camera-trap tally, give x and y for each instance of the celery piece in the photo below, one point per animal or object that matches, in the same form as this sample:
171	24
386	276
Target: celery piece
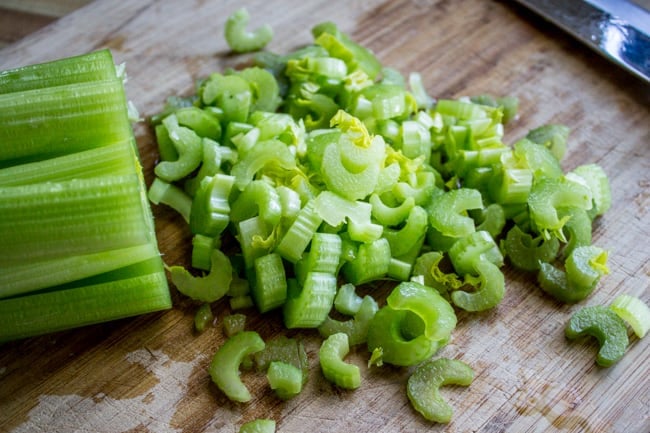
224	367
285	379
210	212
436	313
202	247
300	233
478	246
346	300
234	323
634	311
76	117
577	229
338	44
490	291
445	211
386	334
423	387
332	351
416	323
356	328
491	219
249	232
412	232
552	136
284	349
308	306
257	198
264	155
189	147
598	182
323	256
241	302
239	39
203	317
46	312
260	425
266	92
209	288
583	269
526	252
371	262
390	216
606	326
232	94
537	158
172	196
352	185
548	194
270	288
201	121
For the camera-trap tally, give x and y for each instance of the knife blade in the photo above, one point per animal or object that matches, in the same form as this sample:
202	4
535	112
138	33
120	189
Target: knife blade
617	29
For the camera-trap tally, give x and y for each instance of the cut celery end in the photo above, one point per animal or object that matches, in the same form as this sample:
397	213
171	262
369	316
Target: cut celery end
31	276
76	117
112	160
95	66
37	314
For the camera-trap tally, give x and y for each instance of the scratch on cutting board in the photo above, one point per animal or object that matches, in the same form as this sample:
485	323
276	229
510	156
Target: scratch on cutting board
104	414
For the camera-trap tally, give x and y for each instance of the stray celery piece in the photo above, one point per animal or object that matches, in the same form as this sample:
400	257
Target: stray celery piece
203	317
224	367
234	323
605	326
634	311
424	384
260	425
285	379
239	39
331	354
284	349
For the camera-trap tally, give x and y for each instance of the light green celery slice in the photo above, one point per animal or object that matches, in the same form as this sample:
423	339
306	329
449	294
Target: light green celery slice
95	66
80	216
36	314
69	119
112	160
35	275
634	311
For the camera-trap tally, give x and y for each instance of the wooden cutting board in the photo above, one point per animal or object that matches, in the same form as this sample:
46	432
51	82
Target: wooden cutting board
148	374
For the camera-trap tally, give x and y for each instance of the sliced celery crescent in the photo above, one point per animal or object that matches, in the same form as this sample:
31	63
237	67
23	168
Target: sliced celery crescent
77	240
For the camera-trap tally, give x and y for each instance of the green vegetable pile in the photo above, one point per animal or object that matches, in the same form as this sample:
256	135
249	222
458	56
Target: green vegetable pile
77	239
333	172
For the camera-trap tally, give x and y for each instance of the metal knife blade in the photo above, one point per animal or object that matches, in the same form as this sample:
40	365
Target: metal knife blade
617	29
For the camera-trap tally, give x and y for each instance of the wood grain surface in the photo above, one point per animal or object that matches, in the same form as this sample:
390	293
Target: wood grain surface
149	374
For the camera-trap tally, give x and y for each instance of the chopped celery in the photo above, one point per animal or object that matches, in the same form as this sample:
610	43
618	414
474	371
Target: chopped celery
331	354
239	39
224	367
634	311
